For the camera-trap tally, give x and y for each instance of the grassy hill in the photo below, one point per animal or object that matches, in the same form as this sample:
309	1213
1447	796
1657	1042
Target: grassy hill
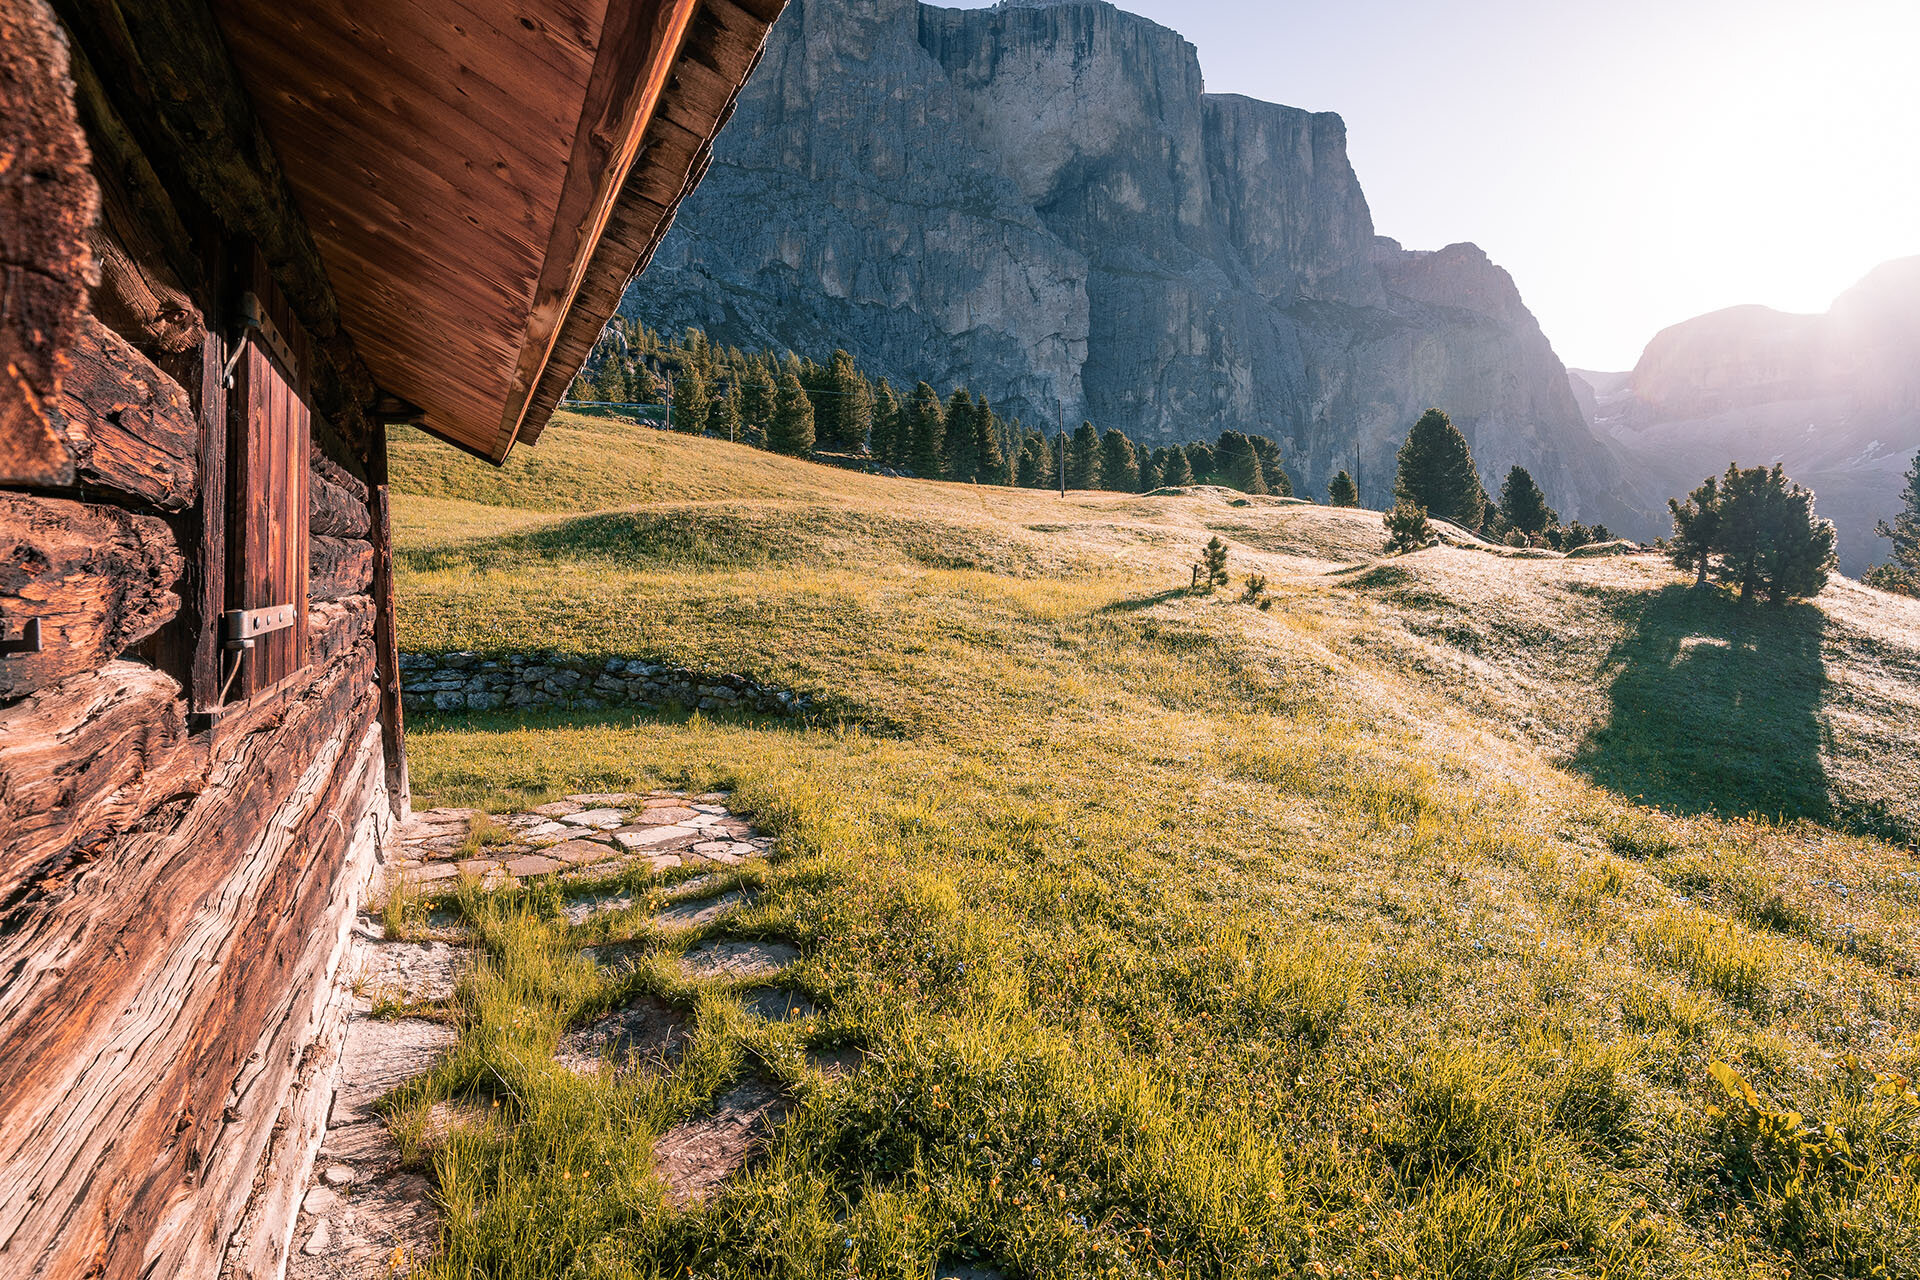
1395	928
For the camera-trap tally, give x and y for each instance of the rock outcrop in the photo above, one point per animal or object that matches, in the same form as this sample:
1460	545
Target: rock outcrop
1042	202
1835	398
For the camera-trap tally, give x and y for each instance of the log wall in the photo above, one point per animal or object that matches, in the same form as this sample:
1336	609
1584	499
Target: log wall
177	876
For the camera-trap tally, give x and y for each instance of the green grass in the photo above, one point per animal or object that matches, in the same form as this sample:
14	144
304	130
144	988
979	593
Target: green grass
1182	938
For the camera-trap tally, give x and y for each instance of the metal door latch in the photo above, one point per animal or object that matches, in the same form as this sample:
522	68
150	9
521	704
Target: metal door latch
29	641
244	626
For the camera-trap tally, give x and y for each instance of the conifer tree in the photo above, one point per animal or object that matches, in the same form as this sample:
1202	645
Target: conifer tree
1769	542
882	436
963	442
723	416
1273	472
1696	529
1213	564
1202	463
1149	468
1407	528
1119	468
1523	507
756	396
1342	492
1083	458
1901	572
1036	461
1437	472
926	444
689	402
791	431
1175	471
991	464
1238	465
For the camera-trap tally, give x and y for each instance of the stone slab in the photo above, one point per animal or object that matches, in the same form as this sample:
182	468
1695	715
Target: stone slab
651	837
701	911
534	864
738	959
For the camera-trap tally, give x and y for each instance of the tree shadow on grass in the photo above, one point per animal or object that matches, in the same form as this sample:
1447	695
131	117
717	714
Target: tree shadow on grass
1716	707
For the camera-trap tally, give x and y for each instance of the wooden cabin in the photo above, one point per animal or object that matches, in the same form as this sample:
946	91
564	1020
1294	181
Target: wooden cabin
240	239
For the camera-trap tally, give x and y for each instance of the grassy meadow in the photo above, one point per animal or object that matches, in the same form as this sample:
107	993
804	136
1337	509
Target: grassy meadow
1451	916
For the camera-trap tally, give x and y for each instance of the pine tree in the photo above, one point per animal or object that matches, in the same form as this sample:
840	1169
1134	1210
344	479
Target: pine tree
1119	468
1342	492
963	451
1202	464
1175	471
926	433
1083	458
756	396
1696	529
1437	472
1238	464
1901	572
1769	541
1273	472
990	464
1523	507
689	402
882	436
791	431
1407	528
1149	468
1036	461
1213	565
723	417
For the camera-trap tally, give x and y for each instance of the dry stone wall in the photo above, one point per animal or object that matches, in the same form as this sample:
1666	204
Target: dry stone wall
465	681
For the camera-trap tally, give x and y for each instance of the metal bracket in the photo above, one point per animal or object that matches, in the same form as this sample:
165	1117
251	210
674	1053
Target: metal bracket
244	626
29	641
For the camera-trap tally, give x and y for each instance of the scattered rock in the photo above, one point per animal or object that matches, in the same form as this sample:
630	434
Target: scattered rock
776	1004
691	915
557	809
321	1200
648	1032
738	959
338	1175
695	1157
580	852
423	971
586	908
605	799
317	1242
652	837
533	864
606	819
664	815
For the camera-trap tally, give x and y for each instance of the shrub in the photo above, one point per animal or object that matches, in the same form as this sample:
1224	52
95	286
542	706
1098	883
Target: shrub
1407	528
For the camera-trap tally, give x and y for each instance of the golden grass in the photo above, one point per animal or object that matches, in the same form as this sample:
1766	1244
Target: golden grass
1183	937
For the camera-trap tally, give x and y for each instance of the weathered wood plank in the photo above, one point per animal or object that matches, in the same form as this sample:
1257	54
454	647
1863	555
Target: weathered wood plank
386	643
97	578
339	567
128	426
47	202
338	503
134	1000
79	763
336	626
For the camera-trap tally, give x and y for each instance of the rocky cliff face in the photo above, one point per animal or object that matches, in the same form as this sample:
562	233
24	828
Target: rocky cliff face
1041	201
1835	398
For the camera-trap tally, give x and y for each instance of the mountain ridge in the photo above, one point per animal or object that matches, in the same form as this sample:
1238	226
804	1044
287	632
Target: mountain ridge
1042	202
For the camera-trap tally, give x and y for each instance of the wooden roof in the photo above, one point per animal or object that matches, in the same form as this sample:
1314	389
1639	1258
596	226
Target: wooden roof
483	177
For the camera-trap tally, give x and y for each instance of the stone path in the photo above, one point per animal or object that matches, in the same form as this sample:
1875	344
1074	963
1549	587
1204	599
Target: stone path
604	831
366	1216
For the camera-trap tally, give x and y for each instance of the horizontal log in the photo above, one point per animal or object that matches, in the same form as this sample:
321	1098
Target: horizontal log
128	426
336	500
143	303
97	578
338	567
79	763
336	626
134	1002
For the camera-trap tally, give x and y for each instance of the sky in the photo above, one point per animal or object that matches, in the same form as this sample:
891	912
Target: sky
1632	163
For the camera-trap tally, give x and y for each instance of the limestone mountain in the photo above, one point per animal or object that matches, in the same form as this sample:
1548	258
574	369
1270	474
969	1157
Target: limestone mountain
1042	202
1834	397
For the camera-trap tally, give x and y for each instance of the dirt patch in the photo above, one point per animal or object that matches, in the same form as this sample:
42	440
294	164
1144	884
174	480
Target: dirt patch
695	1157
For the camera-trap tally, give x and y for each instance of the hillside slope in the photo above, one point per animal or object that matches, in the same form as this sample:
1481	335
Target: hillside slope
1397	926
